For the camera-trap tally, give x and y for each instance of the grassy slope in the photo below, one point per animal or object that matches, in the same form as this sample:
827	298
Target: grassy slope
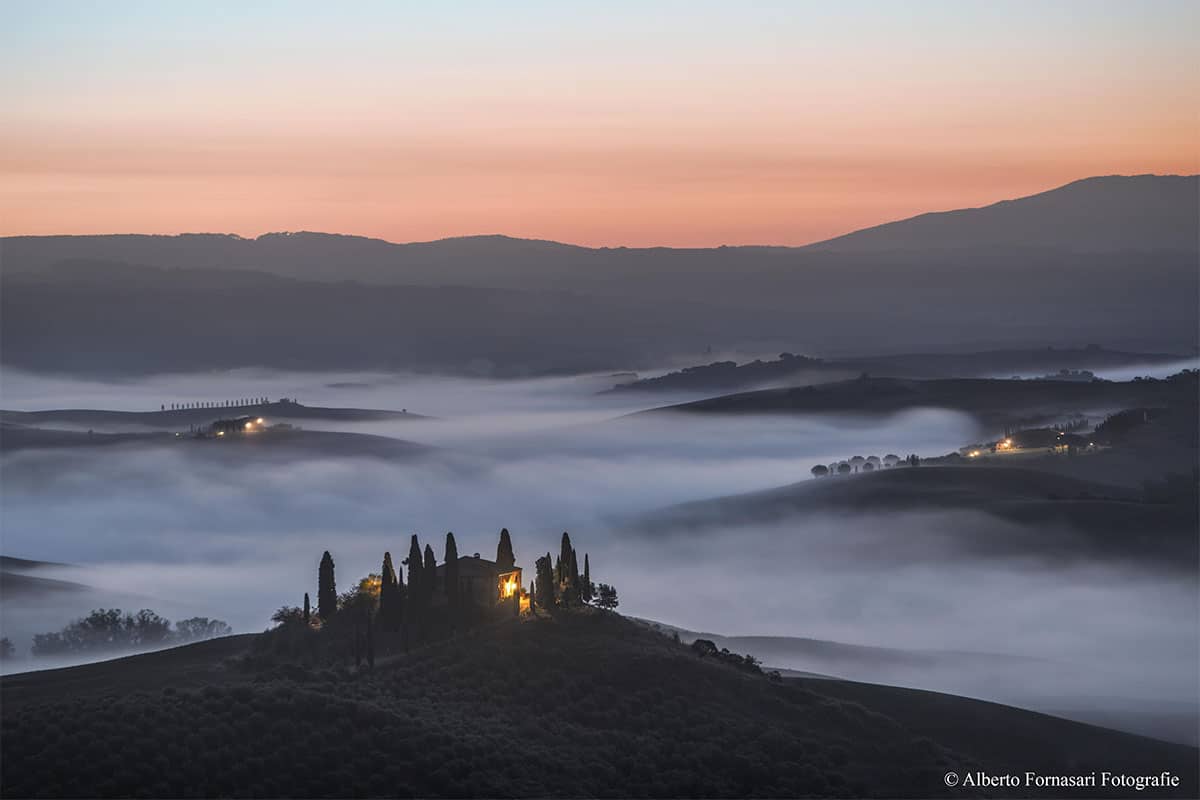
990	400
1095	518
582	705
290	444
176	419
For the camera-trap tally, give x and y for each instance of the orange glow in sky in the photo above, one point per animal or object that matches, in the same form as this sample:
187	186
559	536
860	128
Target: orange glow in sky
689	125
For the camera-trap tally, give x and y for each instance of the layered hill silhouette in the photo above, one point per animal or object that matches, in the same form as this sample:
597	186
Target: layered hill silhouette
1108	213
997	402
1095	215
1106	260
1056	517
581	704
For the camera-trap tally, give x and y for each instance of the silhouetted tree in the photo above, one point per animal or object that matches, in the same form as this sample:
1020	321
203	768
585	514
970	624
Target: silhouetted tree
820	471
326	589
389	600
415	567
857	462
7	650
572	593
587	591
451	572
197	629
545	583
429	576
607	597
288	615
307	610
564	557
844	468
505	560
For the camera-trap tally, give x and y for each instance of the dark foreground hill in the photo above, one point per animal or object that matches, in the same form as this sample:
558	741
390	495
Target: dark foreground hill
585	704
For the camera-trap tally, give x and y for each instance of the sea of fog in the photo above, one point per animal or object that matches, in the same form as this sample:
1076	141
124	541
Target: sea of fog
160	528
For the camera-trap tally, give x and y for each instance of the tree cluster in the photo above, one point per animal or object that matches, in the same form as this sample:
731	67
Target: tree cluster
559	583
389	609
111	630
864	464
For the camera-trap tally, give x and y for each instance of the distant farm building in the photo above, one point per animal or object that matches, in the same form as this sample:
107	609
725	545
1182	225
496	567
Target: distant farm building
237	425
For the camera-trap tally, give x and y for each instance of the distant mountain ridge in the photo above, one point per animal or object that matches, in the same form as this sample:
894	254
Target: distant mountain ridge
1100	214
1108	213
1103	260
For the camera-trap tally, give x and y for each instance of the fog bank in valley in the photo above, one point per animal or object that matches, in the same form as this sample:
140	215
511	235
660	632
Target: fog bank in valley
162	528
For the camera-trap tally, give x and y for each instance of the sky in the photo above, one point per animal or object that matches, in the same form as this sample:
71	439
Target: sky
604	124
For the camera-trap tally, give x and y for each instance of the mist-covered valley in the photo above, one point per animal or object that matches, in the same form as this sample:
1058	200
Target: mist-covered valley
191	527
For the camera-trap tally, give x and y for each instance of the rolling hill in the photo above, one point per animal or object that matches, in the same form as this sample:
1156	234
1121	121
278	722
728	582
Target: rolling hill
1061	518
583	704
993	401
1105	213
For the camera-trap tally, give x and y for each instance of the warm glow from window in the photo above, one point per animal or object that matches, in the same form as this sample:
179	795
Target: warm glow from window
508	588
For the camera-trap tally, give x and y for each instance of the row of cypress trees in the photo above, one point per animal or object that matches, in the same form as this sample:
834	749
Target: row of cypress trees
398	599
560	583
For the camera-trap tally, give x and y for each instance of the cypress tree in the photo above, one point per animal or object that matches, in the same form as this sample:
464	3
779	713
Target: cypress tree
307	609
451	571
564	556
398	596
544	587
587	591
566	586
415	567
573	592
387	593
326	588
429	576
505	560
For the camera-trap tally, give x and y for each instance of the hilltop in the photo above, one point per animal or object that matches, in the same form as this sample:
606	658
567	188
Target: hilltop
792	369
993	401
1061	518
1104	213
577	704
174	418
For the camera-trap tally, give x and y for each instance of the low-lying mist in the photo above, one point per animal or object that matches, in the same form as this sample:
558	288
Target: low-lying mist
170	529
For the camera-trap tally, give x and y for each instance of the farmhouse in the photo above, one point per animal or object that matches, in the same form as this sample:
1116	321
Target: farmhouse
485	584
